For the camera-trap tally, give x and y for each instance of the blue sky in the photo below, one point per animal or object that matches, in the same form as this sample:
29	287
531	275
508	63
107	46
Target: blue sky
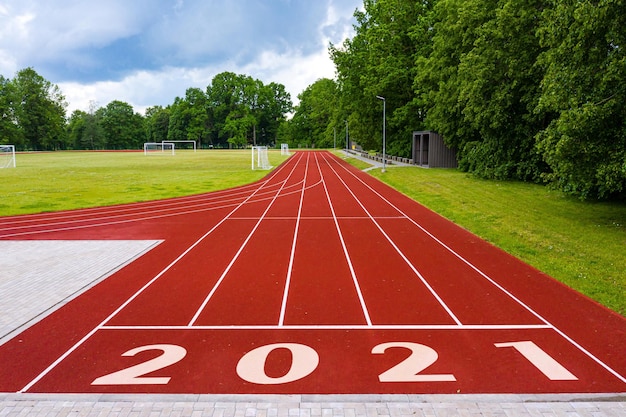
147	52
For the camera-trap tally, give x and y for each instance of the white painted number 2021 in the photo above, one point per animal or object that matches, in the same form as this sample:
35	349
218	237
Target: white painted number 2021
304	361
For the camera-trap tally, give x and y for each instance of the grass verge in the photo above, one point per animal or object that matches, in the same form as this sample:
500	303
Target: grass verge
582	244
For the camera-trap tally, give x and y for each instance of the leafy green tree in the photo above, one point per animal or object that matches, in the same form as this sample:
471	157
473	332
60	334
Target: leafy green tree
122	127
189	117
10	133
242	110
314	114
380	61
481	82
585	63
39	110
157	123
274	104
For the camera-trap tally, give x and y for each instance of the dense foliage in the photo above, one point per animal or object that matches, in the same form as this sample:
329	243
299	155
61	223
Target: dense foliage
533	90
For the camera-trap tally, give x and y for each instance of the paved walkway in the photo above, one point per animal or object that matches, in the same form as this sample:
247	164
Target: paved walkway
14	316
312	405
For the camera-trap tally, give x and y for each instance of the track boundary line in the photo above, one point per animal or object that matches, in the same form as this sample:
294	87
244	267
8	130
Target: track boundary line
497	285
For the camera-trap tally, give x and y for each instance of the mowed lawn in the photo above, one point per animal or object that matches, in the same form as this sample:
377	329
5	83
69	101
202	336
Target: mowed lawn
44	182
581	244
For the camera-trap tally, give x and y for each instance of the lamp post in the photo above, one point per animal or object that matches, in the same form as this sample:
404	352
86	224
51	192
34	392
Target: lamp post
347	141
384	129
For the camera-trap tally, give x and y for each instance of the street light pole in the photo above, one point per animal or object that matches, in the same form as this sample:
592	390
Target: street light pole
384	129
347	141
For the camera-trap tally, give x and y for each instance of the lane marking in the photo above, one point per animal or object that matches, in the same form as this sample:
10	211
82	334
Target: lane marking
500	287
341	327
242	247
398	250
283	306
355	280
141	290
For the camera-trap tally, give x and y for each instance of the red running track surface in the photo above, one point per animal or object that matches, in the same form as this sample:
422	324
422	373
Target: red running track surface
317	279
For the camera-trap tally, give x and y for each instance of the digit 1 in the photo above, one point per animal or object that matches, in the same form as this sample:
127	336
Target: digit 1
541	360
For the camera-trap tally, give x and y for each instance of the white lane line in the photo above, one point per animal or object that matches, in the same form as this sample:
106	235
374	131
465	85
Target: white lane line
283	306
491	280
366	313
399	251
236	256
133	297
343	327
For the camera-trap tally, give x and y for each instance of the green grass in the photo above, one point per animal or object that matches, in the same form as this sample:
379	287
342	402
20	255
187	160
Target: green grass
44	182
579	243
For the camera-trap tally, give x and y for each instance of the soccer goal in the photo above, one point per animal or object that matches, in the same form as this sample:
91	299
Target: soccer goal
159	148
259	158
7	156
178	142
284	149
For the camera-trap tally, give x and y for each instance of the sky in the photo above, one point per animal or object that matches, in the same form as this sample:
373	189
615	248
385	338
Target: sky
148	52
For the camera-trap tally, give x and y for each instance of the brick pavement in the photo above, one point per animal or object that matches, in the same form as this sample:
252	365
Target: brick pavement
313	405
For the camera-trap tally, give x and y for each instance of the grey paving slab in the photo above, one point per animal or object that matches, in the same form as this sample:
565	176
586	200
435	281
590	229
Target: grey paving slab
37	276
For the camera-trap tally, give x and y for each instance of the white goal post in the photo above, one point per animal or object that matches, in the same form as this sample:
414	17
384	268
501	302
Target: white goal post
181	141
7	156
259	158
284	149
159	148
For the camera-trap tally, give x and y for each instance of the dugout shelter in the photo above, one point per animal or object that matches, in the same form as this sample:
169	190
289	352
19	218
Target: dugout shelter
430	151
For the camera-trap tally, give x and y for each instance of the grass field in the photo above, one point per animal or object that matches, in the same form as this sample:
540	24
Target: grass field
44	182
581	244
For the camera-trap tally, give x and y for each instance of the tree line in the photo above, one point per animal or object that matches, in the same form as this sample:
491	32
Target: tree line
531	90
232	111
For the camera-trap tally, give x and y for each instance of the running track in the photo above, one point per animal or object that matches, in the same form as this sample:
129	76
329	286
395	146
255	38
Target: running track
317	279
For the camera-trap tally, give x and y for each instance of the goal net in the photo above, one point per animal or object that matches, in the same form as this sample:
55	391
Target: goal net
284	149
259	158
183	144
7	156
158	148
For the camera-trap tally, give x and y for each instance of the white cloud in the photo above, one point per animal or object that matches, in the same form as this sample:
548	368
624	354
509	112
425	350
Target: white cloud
147	52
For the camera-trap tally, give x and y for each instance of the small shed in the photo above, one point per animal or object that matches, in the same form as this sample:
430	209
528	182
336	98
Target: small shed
430	151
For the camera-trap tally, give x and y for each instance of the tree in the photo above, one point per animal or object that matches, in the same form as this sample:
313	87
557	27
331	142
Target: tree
585	64
122	127
314	114
157	123
10	132
242	108
39	109
380	61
